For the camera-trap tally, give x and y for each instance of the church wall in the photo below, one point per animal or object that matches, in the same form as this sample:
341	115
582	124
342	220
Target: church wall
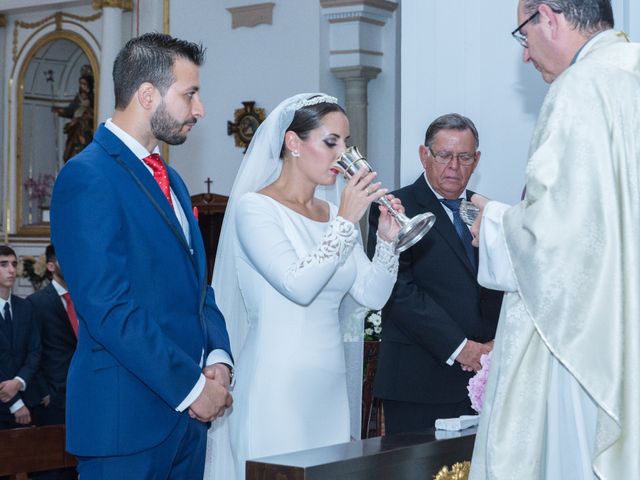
266	63
459	56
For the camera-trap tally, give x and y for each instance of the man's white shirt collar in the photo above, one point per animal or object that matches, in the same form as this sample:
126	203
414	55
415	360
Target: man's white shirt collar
2	303
132	144
59	288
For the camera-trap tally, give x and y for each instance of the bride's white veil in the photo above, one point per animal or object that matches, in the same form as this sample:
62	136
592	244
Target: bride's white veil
260	167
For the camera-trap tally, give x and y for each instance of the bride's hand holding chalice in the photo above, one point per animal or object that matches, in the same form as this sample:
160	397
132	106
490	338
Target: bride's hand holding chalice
357	170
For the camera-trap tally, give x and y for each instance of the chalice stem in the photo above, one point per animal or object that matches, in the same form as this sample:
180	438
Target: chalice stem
392	211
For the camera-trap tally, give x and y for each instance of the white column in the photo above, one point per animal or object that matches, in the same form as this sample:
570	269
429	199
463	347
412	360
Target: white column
111	43
356	100
356	50
4	165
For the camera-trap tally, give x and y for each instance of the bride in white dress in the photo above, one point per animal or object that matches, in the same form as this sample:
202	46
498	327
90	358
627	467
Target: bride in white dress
285	262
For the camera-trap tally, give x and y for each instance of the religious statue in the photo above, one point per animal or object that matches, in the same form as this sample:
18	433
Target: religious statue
79	130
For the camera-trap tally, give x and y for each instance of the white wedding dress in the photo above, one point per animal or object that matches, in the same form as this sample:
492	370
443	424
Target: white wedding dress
291	388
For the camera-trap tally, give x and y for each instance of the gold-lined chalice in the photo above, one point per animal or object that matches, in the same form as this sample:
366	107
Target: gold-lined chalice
411	229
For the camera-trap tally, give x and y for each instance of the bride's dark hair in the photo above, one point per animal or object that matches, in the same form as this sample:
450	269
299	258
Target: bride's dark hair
308	118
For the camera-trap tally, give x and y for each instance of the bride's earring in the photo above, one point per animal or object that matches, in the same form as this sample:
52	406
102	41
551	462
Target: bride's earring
295	153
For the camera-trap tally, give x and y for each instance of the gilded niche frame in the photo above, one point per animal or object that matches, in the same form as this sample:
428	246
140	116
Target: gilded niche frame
23	226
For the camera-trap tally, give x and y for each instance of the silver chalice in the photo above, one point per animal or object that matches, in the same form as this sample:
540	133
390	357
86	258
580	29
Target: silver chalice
468	212
411	229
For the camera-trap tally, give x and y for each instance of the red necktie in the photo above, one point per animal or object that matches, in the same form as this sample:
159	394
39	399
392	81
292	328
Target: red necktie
71	312
159	174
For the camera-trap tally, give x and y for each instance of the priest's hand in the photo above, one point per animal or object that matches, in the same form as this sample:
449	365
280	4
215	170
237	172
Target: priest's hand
480	202
469	357
23	416
211	403
9	389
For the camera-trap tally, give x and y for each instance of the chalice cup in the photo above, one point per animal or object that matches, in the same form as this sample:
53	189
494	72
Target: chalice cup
468	212
411	229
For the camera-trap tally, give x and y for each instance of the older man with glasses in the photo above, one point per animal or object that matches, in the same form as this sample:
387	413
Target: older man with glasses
564	390
439	321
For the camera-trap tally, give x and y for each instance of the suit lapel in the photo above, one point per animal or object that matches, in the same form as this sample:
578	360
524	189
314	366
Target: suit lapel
443	225
142	179
58	308
197	246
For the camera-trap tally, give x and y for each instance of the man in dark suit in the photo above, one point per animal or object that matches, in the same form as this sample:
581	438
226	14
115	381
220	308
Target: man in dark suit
138	402
55	316
19	349
438	321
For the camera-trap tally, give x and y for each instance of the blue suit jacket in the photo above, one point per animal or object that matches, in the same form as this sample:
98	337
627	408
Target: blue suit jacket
145	310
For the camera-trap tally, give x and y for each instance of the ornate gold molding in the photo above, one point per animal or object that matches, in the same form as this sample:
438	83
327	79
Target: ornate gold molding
7	192
126	5
23	228
3	20
57	18
165	16
459	471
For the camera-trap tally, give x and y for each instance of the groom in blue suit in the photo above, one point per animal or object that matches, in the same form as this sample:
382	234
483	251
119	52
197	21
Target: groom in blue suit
138	399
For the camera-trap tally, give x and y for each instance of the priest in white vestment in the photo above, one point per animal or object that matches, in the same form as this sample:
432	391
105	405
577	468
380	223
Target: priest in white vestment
563	397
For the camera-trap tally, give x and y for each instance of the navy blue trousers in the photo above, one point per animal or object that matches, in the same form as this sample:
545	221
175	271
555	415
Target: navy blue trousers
180	456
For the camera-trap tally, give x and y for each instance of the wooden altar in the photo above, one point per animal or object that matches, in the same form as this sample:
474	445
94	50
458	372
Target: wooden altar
409	456
211	208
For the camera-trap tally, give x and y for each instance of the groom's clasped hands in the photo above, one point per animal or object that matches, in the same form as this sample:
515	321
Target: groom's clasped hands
215	398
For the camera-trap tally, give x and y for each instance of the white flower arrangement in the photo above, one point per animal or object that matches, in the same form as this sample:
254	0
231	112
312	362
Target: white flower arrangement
372	326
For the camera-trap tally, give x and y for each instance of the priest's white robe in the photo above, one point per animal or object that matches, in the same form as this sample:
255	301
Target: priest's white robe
563	396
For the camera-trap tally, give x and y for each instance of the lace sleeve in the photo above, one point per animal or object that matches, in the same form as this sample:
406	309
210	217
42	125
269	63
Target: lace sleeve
269	250
386	257
335	247
376	277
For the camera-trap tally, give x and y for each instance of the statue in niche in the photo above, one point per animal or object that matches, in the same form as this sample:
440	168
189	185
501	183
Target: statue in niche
79	130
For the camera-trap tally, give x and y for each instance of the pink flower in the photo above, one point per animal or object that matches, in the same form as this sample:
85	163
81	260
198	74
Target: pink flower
478	382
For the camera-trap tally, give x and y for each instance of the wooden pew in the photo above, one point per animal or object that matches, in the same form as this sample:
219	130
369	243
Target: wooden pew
33	449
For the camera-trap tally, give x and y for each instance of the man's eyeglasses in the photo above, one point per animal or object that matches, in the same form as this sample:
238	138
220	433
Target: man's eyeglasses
520	37
464	158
